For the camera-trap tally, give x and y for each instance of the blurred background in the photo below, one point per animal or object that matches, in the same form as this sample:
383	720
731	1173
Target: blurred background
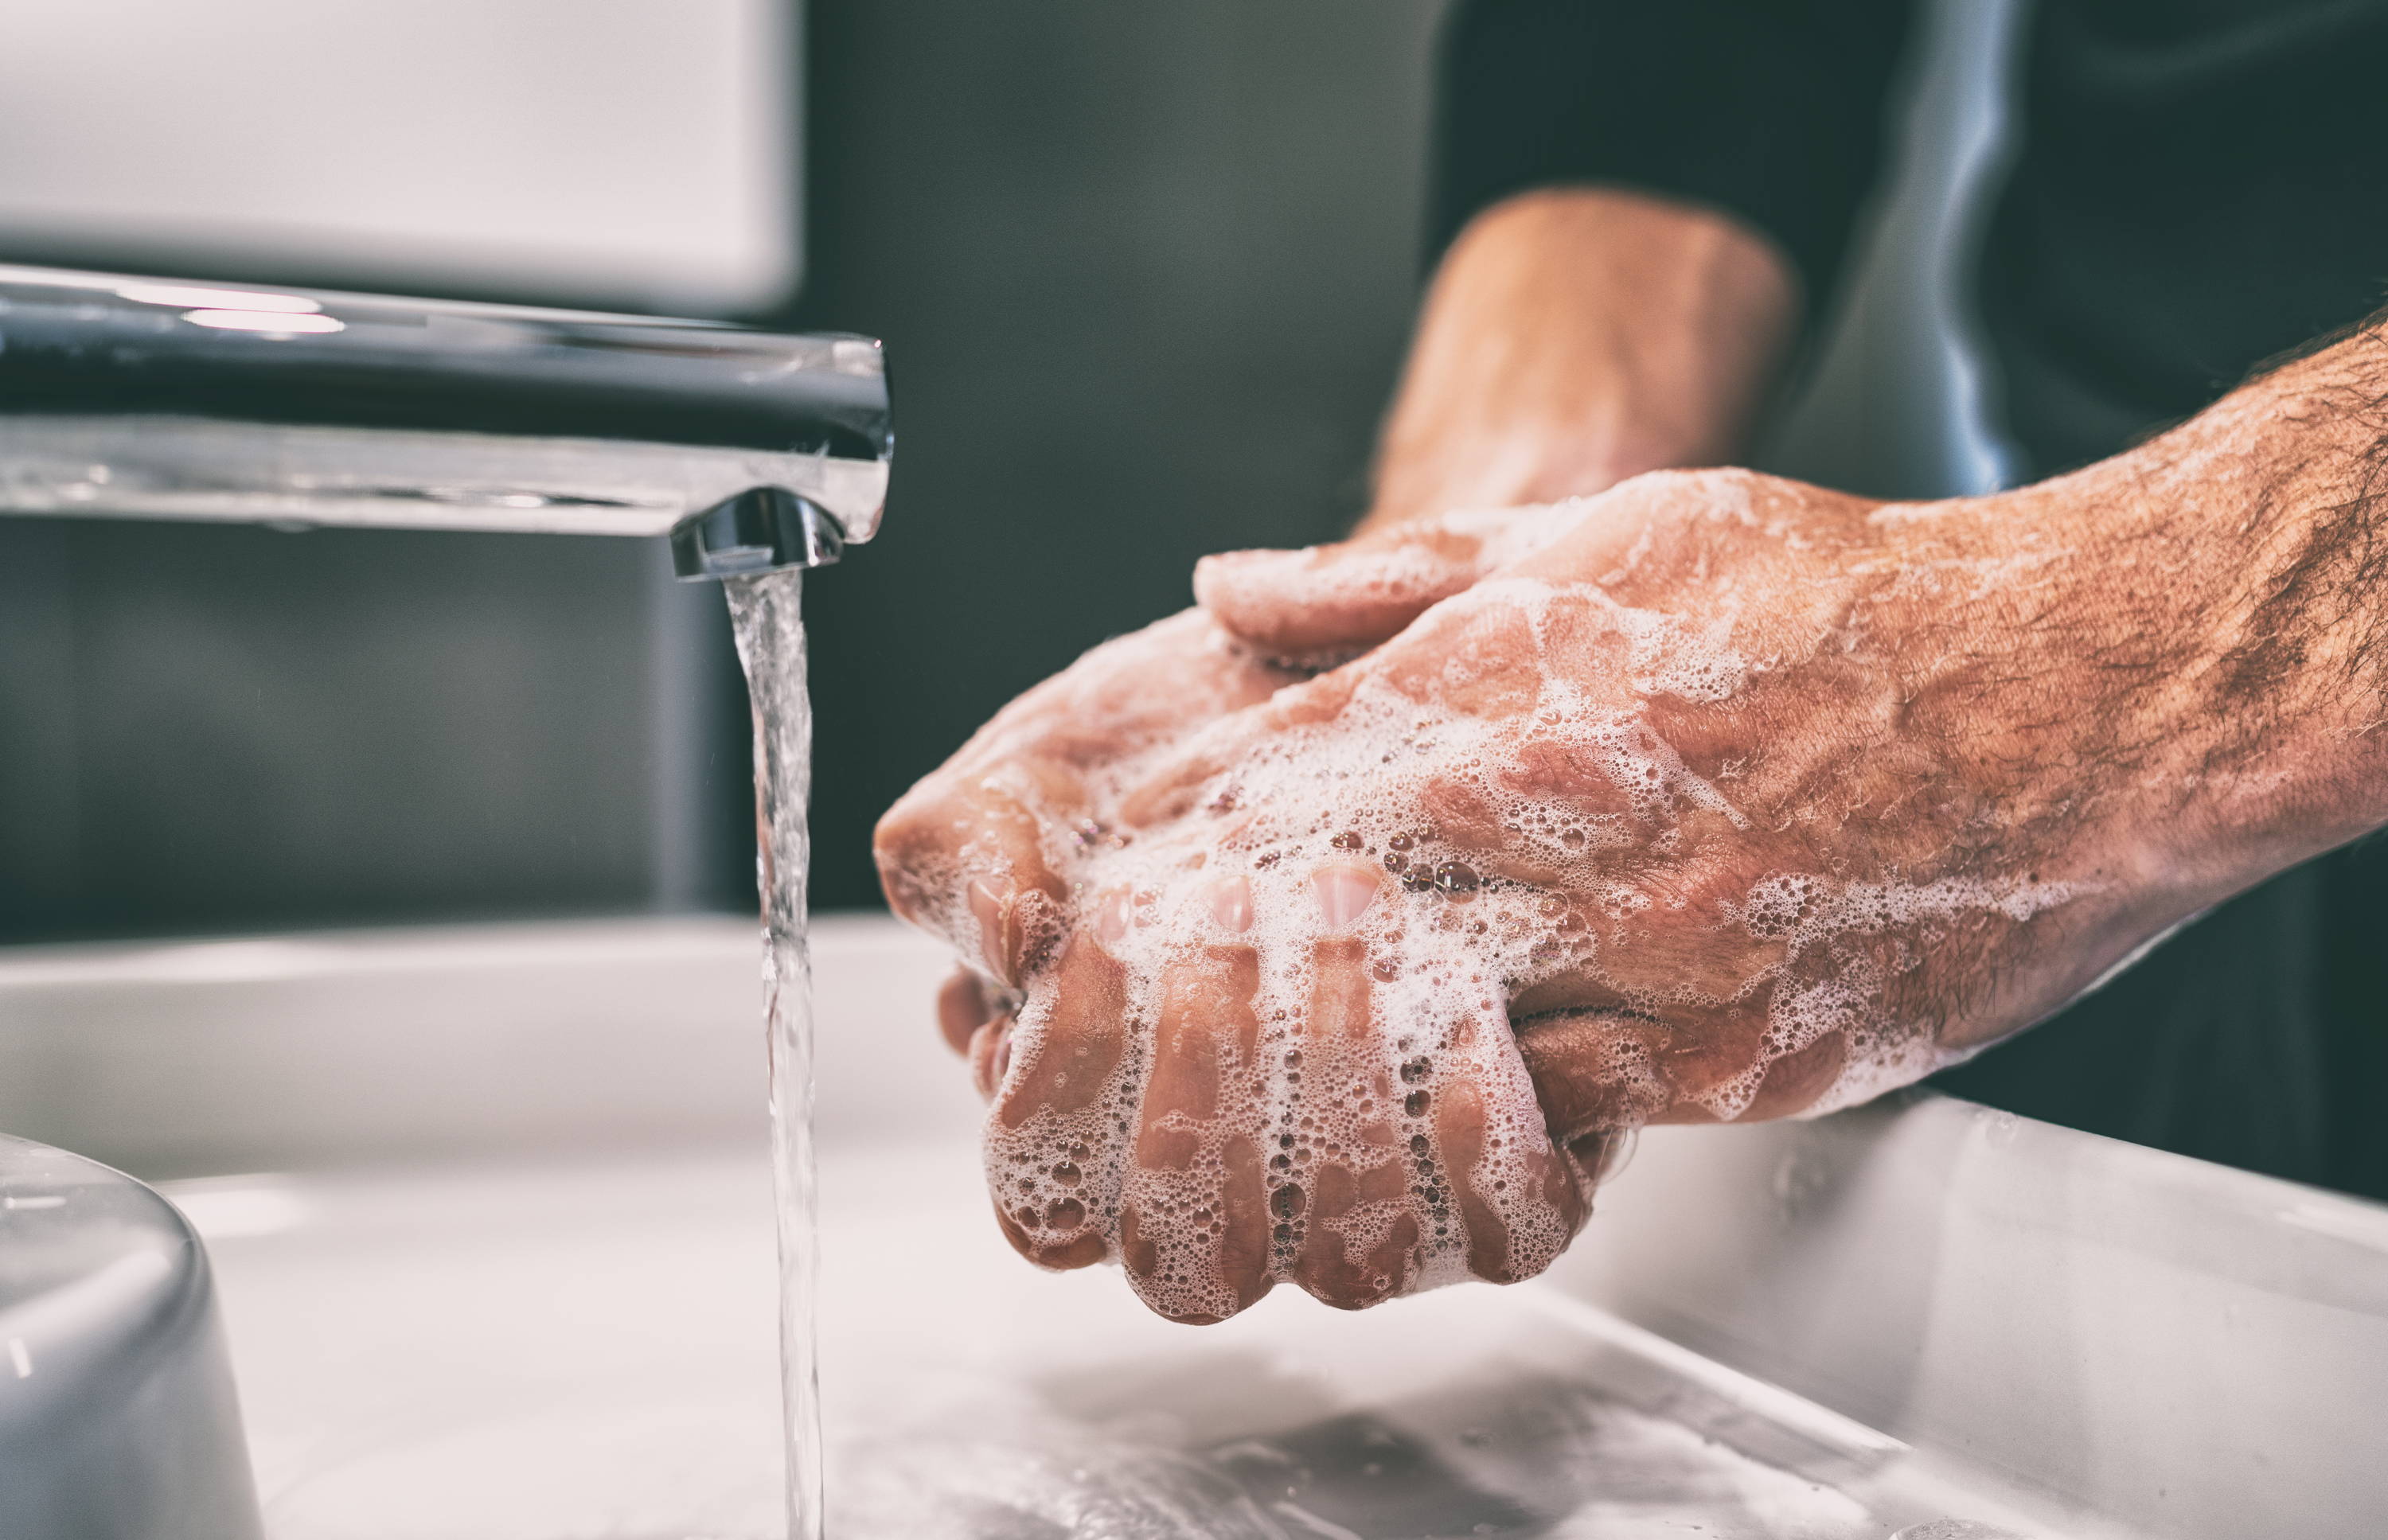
1145	273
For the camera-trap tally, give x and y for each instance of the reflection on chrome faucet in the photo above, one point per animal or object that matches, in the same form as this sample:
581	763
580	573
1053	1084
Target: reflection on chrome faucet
162	398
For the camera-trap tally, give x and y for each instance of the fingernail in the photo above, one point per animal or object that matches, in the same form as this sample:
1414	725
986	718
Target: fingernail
1224	562
989	905
1344	893
1231	567
1231	904
991	1055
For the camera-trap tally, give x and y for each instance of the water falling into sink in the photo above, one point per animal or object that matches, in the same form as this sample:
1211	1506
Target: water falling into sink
767	617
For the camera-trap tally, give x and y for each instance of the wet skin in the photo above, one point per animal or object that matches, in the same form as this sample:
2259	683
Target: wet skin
1766	708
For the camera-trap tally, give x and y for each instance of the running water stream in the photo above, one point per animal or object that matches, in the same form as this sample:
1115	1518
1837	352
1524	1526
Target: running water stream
769	625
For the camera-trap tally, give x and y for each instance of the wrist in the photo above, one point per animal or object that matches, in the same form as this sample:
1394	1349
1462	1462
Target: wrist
1575	337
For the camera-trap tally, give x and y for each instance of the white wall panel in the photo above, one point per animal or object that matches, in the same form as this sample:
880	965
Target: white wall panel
627	152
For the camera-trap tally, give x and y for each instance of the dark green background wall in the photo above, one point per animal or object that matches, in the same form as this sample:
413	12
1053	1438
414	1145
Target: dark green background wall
1145	272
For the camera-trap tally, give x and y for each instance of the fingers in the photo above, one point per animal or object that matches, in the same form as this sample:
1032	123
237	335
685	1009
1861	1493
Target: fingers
1595	1070
967	861
1344	1207
1019	918
981	851
1429	1148
990	1057
1333	600
1794	1081
1602	1072
1052	1150
1519	1196
961	1010
1388	1136
1194	1223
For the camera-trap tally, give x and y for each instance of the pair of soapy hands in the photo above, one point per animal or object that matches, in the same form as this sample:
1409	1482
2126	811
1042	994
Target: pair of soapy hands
1340	929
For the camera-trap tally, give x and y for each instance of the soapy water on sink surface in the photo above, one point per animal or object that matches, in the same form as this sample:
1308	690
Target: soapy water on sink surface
1505	1460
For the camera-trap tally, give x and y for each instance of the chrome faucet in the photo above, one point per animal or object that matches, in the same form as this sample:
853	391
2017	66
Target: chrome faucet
162	398
154	398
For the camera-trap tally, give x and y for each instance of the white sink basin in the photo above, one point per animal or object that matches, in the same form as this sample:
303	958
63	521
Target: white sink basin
588	1352
117	1415
512	1278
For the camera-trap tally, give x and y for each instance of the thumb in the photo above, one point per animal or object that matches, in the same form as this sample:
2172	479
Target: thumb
1327	601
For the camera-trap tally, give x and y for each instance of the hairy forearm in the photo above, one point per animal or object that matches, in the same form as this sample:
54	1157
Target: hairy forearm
2242	564
2301	460
1574	338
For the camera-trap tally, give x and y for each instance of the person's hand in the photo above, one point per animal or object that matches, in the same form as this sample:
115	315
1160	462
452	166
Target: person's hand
1718	797
985	850
1736	799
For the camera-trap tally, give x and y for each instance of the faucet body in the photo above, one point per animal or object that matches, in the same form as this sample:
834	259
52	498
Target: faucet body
145	398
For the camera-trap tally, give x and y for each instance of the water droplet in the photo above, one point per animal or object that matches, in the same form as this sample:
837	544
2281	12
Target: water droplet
1454	878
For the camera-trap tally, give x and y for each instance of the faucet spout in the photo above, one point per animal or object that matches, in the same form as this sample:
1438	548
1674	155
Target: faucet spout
139	397
761	530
